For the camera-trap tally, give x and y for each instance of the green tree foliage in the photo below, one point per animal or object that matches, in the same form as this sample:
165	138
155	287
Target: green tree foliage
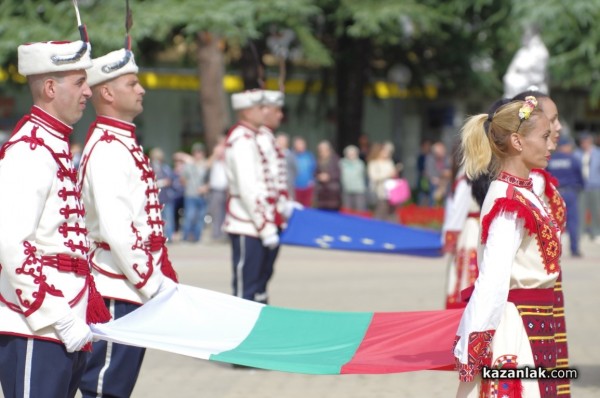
455	43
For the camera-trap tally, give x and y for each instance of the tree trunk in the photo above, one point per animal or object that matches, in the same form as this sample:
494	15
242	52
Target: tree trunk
252	69
211	71
351	77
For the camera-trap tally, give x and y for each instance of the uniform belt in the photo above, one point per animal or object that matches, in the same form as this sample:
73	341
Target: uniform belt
67	263
538	296
518	296
153	243
473	214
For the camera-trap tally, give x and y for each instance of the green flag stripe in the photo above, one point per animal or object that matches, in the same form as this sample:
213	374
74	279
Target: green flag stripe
314	342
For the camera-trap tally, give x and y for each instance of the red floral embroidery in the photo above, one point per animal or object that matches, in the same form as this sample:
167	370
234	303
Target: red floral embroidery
516	181
450	241
504	388
479	355
535	223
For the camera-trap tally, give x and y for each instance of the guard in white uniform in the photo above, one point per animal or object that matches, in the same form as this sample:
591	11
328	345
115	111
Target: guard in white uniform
129	257
250	219
47	293
277	184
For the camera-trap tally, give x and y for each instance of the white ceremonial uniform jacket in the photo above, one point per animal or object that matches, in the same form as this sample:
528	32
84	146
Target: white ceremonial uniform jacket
122	213
44	270
459	204
278	171
251	206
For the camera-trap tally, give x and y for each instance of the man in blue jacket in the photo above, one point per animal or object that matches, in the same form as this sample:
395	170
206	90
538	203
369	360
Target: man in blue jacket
566	168
589	156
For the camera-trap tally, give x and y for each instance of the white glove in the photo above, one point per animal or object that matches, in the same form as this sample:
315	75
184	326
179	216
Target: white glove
73	332
289	208
167	285
271	241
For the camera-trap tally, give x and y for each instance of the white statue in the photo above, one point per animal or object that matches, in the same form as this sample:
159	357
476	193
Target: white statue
528	67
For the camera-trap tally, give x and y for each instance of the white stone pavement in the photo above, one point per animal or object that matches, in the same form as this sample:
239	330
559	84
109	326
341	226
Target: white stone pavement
345	281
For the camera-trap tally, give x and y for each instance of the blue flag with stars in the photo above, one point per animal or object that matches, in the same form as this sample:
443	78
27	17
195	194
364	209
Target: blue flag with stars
332	230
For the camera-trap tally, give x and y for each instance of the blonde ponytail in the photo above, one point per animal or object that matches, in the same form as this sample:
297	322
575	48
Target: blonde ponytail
476	149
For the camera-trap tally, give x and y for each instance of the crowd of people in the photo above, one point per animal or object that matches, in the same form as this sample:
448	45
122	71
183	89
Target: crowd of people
194	185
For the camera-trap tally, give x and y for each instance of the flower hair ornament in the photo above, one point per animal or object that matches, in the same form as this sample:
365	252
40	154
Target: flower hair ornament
528	107
525	111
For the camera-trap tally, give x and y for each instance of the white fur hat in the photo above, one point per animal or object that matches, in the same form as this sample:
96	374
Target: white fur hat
246	99
273	98
111	65
53	56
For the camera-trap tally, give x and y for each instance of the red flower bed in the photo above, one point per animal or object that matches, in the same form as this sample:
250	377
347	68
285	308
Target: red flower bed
410	214
421	215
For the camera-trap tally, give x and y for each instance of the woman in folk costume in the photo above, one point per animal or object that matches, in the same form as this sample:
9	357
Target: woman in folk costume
460	235
546	187
508	321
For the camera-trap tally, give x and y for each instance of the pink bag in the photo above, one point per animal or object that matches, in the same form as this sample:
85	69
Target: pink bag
397	191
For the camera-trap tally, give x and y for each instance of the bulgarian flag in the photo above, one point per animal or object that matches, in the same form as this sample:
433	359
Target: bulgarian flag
219	327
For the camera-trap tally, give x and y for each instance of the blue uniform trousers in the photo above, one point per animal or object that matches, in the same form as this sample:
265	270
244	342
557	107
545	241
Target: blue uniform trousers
570	196
112	368
38	368
253	266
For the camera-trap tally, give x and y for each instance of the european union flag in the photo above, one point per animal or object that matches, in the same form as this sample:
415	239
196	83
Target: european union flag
331	230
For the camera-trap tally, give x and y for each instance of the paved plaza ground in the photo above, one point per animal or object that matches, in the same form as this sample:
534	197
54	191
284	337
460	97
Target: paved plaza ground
346	281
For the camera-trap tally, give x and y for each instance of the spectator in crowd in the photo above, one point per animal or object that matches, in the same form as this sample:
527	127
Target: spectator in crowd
282	140
364	147
164	181
180	159
380	168
354	187
217	196
328	187
566	168
423	189
437	171
194	178
76	150
589	156
305	172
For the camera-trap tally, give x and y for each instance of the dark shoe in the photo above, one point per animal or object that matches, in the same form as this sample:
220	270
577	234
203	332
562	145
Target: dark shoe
576	255
236	366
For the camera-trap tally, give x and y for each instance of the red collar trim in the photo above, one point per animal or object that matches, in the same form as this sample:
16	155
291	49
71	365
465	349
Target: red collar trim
243	124
248	126
516	181
125	126
39	116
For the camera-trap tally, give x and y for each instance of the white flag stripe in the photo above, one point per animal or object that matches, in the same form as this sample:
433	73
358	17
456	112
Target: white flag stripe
188	321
